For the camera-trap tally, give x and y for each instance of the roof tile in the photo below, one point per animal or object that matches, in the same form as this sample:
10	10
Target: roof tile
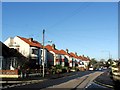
31	43
49	48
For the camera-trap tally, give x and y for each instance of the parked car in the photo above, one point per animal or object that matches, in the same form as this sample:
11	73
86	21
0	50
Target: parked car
91	68
100	69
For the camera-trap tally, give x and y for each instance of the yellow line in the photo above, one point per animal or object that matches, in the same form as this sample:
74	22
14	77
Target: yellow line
103	84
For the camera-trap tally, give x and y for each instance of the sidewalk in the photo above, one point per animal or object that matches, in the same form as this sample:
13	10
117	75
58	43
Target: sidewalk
6	83
35	78
105	80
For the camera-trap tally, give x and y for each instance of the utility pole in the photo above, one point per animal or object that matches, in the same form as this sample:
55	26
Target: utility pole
43	61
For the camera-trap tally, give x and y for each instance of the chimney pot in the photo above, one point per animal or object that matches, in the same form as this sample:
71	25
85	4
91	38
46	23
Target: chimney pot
67	50
53	46
30	39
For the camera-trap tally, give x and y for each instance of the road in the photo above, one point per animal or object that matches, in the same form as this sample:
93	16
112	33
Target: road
76	81
79	82
96	86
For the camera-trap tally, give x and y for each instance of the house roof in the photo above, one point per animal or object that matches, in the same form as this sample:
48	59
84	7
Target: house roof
9	52
73	55
84	58
50	48
31	43
64	52
77	57
80	57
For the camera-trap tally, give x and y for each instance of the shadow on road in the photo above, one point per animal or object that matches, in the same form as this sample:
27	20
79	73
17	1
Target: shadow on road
116	85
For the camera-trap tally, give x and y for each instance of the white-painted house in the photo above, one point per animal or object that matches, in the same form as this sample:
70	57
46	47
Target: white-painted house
74	59
85	60
45	57
27	47
77	61
70	58
67	58
56	54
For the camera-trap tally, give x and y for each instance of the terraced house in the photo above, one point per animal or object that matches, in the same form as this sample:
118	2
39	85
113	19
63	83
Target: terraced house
86	61
56	54
28	47
33	51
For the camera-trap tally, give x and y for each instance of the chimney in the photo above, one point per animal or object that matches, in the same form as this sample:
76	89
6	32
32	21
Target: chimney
83	56
53	46
11	40
30	39
76	53
67	50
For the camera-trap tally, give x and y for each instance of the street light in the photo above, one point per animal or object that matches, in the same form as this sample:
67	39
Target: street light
43	54
43	61
50	41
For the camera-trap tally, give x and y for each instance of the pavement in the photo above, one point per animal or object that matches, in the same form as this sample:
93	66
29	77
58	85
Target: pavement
49	76
4	82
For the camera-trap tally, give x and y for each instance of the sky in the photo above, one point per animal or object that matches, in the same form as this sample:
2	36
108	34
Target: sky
88	28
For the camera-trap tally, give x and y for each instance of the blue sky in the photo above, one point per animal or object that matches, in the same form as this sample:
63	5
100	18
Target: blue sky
86	28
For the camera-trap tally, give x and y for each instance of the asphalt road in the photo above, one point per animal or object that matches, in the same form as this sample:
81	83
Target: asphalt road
96	86
76	81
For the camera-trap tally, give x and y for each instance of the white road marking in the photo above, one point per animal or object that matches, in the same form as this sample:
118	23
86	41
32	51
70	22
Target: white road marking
88	85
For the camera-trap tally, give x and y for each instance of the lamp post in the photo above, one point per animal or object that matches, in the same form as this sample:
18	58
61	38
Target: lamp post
43	61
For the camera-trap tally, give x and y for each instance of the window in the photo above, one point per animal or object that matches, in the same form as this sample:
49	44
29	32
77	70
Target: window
35	51
41	52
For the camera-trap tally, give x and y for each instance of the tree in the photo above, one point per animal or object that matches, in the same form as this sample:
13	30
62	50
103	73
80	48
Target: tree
92	62
109	62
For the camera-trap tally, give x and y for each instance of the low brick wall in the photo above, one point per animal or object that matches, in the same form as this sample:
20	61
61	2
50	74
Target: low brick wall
8	73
